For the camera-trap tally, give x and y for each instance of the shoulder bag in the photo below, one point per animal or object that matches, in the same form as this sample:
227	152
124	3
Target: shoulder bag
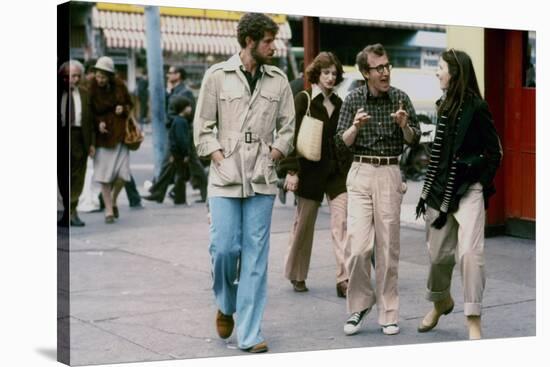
309	141
134	135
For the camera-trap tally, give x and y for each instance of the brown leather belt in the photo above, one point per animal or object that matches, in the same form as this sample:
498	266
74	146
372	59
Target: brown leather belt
377	161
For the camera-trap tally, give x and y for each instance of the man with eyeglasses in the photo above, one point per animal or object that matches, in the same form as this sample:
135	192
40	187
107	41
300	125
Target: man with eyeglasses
175	86
375	121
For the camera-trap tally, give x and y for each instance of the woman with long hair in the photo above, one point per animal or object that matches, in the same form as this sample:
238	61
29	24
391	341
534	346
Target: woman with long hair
312	180
465	157
111	105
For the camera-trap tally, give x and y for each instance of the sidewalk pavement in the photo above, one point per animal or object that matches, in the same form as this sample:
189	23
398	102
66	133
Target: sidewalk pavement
141	289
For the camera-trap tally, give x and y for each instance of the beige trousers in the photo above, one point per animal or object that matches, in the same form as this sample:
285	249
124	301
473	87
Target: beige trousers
461	240
301	237
374	208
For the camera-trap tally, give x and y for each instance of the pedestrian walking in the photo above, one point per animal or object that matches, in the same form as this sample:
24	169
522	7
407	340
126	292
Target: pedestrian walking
375	121
242	103
132	193
142	94
311	181
63	148
176	87
175	170
76	114
465	157
111	105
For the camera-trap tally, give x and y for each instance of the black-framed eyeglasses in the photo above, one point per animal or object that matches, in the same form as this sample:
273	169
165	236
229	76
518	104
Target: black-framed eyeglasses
380	68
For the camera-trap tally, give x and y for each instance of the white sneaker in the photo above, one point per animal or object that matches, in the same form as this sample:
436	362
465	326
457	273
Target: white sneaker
353	324
390	329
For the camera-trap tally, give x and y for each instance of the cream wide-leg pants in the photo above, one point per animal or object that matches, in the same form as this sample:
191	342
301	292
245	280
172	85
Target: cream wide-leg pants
461	240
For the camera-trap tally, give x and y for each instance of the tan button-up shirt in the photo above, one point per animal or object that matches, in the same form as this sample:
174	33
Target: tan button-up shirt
245	125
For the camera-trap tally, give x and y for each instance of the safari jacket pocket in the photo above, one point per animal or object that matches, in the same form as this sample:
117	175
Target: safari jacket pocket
226	173
264	171
230	97
269	104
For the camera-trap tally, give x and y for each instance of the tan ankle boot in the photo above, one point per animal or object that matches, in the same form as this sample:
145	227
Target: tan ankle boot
474	327
443	307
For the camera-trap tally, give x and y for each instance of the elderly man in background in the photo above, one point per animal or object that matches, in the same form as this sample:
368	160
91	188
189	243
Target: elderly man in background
75	113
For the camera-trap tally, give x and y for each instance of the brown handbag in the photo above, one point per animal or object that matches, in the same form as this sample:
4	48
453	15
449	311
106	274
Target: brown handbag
134	135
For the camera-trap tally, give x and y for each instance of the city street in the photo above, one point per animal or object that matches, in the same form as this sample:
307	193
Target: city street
141	288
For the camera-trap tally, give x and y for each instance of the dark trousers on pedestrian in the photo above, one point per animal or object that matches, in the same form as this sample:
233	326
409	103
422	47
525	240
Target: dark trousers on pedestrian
63	171
79	160
196	170
132	192
176	172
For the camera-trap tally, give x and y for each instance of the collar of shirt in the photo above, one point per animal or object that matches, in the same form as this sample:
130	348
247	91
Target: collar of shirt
73	90
380	96
234	63
252	79
177	87
257	75
316	90
327	100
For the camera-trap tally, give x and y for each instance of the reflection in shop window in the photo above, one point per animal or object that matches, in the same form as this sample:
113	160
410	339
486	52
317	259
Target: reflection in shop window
530	60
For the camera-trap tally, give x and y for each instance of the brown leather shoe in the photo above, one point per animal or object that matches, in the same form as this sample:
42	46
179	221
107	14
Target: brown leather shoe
224	325
299	285
342	288
258	348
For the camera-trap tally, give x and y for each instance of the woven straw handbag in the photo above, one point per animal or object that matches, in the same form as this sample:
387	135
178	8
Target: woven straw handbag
310	136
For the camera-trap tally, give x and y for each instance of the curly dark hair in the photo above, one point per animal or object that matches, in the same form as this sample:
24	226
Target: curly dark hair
362	59
321	61
254	25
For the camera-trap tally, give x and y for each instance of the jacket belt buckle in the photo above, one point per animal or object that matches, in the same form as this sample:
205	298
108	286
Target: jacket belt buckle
248	137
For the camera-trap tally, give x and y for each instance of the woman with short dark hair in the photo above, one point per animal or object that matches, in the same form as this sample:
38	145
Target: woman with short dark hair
311	181
465	157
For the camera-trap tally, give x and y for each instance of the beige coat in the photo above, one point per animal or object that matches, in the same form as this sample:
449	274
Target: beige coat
228	115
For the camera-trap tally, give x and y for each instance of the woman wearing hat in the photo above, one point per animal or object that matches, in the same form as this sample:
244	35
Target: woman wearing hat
111	105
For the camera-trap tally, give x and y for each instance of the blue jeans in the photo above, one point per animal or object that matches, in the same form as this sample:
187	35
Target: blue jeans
239	234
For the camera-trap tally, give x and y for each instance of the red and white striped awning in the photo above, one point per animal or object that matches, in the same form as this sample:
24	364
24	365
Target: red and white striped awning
178	33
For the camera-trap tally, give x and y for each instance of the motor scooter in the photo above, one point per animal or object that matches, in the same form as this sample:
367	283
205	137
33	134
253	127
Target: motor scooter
414	159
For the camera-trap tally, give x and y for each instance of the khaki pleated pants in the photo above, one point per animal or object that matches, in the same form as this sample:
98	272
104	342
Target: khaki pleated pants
301	237
461	240
375	194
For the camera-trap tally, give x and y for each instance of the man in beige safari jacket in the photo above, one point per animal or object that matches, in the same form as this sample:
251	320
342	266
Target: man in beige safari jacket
244	122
